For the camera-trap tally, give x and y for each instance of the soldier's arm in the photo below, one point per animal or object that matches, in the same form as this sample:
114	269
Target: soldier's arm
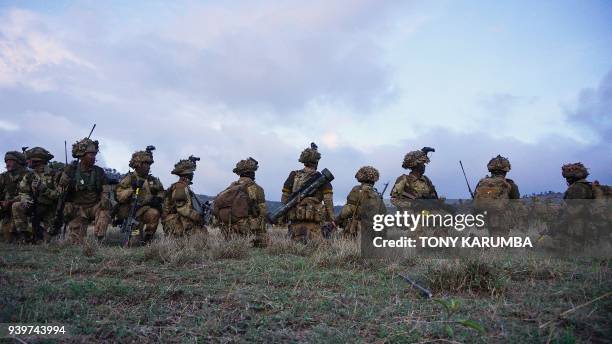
514	190
124	191
328	202
398	189
288	187
50	191
257	196
25	188
183	203
349	208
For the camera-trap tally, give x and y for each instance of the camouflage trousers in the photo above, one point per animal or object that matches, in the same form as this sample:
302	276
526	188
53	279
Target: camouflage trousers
7	226
249	226
305	231
46	214
79	217
177	225
147	217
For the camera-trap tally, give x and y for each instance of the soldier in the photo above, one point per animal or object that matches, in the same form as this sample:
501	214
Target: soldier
578	187
179	217
491	195
9	191
241	207
415	185
38	197
362	198
88	199
307	217
150	197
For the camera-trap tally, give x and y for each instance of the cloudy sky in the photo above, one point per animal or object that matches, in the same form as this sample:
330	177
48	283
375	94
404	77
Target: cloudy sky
366	80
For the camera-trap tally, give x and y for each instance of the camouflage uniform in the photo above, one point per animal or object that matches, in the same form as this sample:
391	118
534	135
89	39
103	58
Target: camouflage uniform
9	192
576	219
88	194
178	216
150	197
255	222
492	194
306	218
37	186
415	185
362	198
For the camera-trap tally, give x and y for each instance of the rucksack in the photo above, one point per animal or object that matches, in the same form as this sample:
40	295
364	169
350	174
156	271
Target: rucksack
232	204
492	193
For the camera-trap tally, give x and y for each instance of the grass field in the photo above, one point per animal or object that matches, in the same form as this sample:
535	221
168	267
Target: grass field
197	291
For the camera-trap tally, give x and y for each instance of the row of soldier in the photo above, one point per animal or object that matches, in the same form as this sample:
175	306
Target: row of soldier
239	210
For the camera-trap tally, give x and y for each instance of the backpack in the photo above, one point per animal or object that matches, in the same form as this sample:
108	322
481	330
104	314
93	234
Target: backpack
492	193
232	204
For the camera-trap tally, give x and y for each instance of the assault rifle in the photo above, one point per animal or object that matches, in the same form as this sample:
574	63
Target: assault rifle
38	230
382	194
426	293
58	221
130	221
316	181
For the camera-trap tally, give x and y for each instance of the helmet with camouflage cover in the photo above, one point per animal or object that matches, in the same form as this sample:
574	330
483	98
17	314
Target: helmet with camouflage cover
84	146
310	155
38	153
245	166
185	166
145	156
415	158
16	156
575	170
367	174
499	164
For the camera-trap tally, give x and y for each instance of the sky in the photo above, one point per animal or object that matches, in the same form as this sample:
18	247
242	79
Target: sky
367	80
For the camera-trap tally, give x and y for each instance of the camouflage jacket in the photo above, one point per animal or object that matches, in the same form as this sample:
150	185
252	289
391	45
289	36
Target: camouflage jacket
411	187
85	186
296	180
361	197
48	194
9	184
152	187
178	202
581	189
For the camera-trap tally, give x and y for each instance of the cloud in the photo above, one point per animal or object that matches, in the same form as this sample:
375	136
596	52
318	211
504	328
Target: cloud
593	111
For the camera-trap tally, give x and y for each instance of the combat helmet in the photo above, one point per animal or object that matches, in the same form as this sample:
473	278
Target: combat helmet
15	156
367	174
186	166
246	166
38	154
145	156
415	158
84	146
499	164
575	170
310	155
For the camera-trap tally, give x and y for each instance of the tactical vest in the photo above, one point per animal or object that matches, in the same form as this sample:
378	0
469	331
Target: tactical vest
86	186
309	209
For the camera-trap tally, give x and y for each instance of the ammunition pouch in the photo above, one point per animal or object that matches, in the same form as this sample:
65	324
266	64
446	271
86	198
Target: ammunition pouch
309	209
